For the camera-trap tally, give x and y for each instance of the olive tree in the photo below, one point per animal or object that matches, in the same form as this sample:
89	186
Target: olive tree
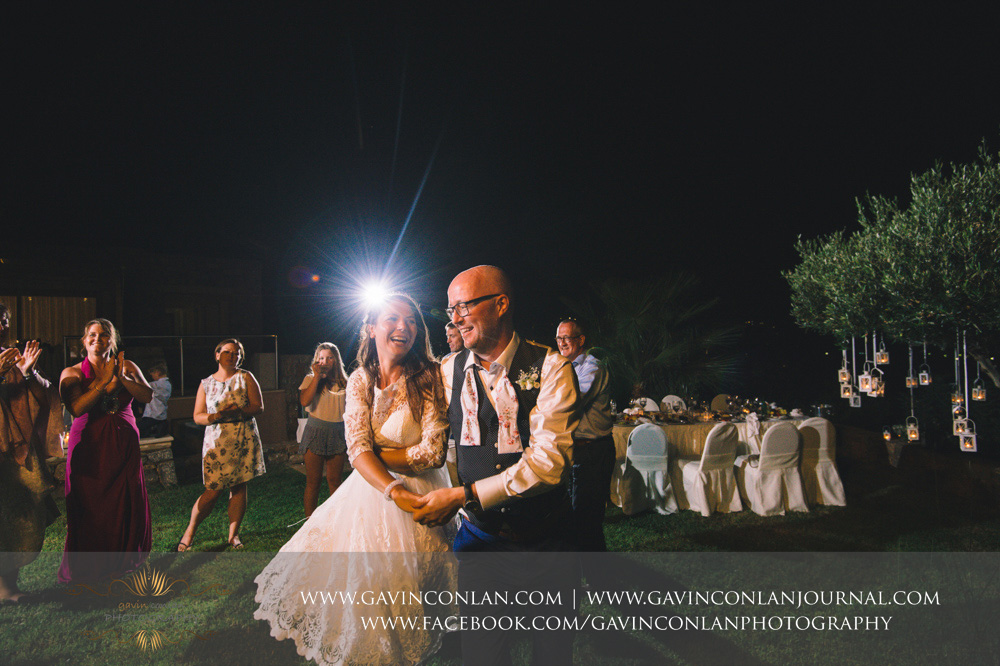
915	273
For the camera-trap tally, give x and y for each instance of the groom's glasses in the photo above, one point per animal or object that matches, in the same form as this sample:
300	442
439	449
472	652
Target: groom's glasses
463	308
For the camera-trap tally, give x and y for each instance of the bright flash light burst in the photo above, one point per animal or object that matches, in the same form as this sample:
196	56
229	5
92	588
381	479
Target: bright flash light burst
374	294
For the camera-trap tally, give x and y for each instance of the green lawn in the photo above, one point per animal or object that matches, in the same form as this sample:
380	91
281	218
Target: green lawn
211	620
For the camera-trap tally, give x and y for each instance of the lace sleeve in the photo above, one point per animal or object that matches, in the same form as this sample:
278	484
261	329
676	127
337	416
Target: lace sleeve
357	416
431	450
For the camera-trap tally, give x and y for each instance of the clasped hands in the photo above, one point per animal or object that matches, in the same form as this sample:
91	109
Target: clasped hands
433	509
229	413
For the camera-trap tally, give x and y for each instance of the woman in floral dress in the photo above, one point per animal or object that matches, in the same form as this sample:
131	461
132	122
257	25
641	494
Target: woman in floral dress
231	454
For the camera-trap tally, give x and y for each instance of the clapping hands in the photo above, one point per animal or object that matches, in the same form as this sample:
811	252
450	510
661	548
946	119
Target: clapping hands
109	376
8	359
26	362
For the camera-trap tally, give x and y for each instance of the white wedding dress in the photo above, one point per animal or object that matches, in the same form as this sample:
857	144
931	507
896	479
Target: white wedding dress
357	542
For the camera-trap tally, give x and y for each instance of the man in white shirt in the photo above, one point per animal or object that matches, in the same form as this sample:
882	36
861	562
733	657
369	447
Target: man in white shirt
593	445
512	408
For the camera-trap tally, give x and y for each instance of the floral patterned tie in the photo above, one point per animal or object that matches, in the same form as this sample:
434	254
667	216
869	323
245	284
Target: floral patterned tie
505	400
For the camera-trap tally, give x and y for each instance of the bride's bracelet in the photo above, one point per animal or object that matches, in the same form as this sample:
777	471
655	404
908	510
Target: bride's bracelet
388	489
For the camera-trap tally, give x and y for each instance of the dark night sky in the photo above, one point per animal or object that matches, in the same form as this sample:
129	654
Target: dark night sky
572	143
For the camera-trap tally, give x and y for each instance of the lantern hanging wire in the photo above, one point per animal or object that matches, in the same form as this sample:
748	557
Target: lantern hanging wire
925	370
978	388
911	385
844	375
854	369
965	373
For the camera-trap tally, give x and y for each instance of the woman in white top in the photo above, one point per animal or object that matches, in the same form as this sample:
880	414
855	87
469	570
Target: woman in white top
322	395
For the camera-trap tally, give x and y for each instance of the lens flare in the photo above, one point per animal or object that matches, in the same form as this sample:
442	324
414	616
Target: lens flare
374	294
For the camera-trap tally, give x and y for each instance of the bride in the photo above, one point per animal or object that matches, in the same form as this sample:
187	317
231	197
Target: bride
362	540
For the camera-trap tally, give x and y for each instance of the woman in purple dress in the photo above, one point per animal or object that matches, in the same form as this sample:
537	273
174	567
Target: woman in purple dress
107	510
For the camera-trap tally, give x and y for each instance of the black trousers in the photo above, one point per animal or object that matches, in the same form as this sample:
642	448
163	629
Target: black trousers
153	428
593	463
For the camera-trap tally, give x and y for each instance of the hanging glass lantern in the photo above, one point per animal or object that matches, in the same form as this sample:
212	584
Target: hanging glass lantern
967	442
912	429
865	382
887	433
846	390
855	401
959	426
957	398
911	382
877	383
925	375
967	438
844	375
882	356
978	390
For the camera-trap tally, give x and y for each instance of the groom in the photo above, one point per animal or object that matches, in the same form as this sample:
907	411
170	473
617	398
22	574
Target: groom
512	413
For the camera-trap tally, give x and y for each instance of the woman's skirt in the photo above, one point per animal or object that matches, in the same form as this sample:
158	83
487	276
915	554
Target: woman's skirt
324	438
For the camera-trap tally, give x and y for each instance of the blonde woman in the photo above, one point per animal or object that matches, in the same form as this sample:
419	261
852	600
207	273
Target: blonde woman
322	395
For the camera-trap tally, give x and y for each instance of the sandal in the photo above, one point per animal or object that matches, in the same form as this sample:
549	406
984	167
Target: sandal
236	544
182	547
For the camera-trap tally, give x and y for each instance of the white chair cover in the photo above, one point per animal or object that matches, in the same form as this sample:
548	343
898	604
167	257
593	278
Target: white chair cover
720	403
820	478
753	432
709	483
672	403
646	479
771	482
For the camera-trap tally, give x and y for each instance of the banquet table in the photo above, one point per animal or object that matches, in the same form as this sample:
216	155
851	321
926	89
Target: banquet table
685	441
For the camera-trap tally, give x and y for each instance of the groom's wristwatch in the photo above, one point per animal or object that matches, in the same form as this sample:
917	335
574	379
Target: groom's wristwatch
472	504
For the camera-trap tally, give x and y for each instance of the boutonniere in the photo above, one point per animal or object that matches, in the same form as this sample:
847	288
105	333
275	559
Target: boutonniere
529	382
